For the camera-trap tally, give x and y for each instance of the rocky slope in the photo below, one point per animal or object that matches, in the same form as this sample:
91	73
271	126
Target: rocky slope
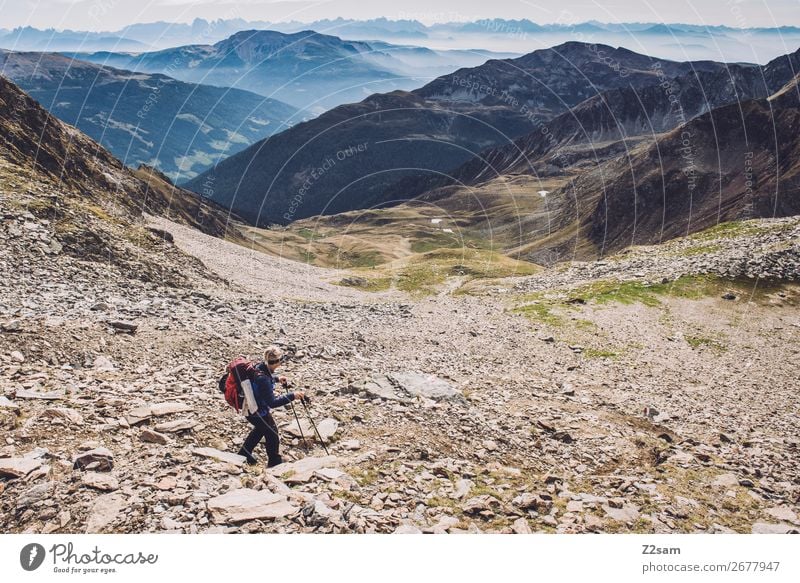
182	128
92	201
537	404
741	162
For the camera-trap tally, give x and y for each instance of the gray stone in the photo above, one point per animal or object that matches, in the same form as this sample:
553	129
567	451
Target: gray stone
6	403
105	510
104	364
378	387
782	513
70	415
48	396
426	385
351	445
245	504
407	529
18	467
176	426
574	506
138	415
36	494
102	482
462	488
17	356
145	412
628	513
160	409
527	501
480	504
327	428
726	480
223	456
98	459
406	386
150	436
123	326
303	470
11	326
521	526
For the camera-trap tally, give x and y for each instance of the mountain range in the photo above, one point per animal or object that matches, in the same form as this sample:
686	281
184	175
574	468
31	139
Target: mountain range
628	166
427	131
571	152
306	69
676	41
181	128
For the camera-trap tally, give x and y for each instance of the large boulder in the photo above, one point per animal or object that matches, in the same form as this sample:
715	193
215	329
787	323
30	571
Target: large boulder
18	467
306	469
245	504
407	386
222	456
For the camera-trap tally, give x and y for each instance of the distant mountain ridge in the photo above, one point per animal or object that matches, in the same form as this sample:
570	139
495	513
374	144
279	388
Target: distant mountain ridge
305	69
430	130
179	127
677	41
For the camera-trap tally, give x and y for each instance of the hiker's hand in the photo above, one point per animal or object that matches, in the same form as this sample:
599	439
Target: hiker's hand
300	396
283	380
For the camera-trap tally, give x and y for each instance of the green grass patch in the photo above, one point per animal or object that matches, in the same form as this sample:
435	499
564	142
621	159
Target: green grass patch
731	229
698	250
420	279
364	476
427	242
540	313
582	324
630	292
696	341
431	269
307	233
688	287
427	245
351	259
441	502
599	353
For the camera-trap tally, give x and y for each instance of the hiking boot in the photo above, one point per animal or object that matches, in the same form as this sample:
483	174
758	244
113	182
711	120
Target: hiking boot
249	457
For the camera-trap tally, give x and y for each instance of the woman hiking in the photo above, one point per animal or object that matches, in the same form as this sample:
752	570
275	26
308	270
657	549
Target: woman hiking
263	424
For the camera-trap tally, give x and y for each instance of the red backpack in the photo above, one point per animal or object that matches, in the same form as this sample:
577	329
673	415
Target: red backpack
230	384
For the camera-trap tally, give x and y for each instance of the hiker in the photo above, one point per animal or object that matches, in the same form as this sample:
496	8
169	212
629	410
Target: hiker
266	399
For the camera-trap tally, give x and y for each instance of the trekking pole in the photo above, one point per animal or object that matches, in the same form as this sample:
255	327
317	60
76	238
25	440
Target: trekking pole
291	404
314	425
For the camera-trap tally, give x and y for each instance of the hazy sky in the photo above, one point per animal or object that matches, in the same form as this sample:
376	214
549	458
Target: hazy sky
114	14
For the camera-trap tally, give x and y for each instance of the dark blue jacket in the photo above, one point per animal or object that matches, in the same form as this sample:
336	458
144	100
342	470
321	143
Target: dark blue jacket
264	392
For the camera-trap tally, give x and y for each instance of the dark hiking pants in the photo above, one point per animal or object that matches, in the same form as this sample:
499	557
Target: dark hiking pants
264	427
